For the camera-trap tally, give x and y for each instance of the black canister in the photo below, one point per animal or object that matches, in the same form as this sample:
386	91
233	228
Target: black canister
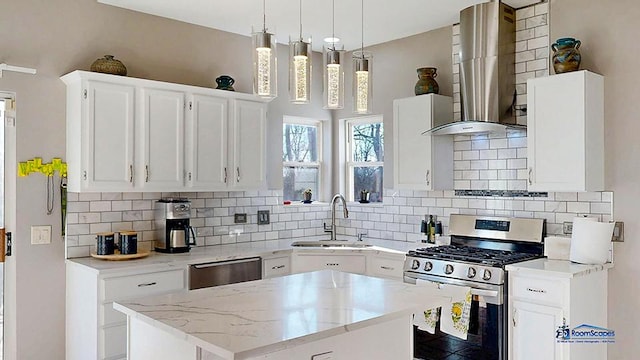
105	243
128	242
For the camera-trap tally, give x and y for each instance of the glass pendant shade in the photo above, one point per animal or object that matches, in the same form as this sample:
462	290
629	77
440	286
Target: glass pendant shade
300	71
333	89
264	64
362	82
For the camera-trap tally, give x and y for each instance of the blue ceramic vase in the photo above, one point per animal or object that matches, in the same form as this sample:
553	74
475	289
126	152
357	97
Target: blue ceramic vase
566	56
225	82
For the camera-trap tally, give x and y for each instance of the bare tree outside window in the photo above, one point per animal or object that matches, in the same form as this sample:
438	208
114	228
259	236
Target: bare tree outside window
366	159
301	160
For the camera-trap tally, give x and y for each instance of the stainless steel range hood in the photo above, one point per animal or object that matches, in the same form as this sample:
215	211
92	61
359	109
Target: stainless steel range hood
487	78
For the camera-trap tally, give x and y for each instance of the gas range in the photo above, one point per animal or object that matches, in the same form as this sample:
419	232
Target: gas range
464	262
480	248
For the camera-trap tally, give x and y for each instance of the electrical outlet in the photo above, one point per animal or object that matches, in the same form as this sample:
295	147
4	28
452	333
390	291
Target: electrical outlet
567	227
618	232
240	218
263	217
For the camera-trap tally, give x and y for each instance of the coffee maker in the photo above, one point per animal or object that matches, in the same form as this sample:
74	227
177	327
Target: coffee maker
173	232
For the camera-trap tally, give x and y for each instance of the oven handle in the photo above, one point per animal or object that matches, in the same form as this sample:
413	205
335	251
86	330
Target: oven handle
482	292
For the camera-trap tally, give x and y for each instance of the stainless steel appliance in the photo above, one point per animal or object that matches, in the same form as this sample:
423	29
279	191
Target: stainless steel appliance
487	70
224	272
173	231
480	248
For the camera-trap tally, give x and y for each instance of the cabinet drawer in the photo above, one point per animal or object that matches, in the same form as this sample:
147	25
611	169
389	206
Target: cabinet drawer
114	341
536	289
276	267
142	285
386	267
353	264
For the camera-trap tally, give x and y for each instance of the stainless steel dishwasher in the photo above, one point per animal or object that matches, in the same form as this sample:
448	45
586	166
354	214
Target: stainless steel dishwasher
224	272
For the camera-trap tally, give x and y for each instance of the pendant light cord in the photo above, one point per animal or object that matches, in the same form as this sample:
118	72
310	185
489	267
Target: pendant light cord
264	16
362	29
333	24
300	20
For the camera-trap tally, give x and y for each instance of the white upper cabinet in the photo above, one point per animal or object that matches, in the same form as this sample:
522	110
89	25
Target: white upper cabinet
565	132
248	145
100	132
128	134
162	140
206	144
422	162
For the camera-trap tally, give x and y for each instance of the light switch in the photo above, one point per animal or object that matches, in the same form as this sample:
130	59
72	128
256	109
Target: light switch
40	234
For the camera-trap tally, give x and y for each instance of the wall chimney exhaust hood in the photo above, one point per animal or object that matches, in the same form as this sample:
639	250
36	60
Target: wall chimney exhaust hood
487	71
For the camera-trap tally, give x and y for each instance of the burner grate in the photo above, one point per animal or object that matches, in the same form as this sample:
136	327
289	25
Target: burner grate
470	254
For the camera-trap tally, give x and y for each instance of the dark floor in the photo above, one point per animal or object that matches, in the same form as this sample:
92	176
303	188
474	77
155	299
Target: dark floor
441	346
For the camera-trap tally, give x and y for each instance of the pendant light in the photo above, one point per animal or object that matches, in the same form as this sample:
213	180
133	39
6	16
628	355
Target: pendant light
333	74
300	68
264	61
362	79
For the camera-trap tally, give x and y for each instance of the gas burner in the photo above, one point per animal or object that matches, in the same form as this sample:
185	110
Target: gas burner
473	255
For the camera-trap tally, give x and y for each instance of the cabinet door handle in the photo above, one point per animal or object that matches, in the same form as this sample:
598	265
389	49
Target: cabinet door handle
147	284
539	291
84	175
277	267
530	171
225	175
427	176
146	173
514	317
386	267
238	174
130	173
189	176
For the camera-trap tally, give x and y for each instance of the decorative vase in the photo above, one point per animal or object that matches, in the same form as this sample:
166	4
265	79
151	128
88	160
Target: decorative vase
426	81
225	82
566	56
109	65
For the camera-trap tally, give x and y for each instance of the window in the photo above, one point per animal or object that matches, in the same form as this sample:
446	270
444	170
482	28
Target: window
301	157
365	158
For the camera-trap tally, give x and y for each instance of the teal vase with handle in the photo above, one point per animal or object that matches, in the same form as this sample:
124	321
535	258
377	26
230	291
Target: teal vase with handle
566	56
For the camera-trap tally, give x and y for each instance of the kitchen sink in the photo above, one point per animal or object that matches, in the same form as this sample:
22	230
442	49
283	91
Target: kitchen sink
329	243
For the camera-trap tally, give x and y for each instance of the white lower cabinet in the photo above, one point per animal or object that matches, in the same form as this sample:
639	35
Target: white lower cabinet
540	305
352	263
385	265
94	329
279	265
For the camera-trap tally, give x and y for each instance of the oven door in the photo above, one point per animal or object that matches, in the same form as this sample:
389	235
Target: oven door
487	337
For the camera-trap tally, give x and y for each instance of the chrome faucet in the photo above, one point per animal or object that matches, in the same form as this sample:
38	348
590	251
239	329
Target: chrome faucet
332	227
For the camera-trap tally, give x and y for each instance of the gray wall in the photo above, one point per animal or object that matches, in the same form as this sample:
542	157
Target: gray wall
394	76
609	31
57	37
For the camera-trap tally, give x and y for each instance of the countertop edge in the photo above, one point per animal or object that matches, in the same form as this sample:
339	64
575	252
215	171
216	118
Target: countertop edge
557	268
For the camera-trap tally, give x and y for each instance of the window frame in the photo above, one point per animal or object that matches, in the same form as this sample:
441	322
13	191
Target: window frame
292	120
348	159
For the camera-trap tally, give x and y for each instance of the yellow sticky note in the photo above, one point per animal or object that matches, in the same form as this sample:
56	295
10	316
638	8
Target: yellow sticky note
23	169
57	163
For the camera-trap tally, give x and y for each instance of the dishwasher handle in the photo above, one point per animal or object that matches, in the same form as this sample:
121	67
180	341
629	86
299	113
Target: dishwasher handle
218	263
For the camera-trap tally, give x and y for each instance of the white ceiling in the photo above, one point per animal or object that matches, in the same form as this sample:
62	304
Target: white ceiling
384	20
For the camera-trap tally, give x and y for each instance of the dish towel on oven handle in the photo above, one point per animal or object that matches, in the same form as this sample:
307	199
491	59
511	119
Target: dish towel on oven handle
454	320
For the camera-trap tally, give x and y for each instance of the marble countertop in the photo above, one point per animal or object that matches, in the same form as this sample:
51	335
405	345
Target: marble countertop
247	319
203	254
556	268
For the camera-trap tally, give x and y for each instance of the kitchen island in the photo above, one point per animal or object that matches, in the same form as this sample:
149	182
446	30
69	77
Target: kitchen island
316	315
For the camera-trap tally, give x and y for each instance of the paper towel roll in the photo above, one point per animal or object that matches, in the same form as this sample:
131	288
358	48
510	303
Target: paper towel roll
590	241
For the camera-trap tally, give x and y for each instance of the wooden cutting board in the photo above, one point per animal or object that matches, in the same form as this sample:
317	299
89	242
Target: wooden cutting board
117	256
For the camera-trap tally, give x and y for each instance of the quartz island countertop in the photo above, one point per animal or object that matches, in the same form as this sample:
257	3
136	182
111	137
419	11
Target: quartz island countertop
245	320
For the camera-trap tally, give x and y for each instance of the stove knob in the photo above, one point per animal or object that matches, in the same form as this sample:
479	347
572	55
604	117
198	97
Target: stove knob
428	266
415	265
486	275
448	269
471	273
